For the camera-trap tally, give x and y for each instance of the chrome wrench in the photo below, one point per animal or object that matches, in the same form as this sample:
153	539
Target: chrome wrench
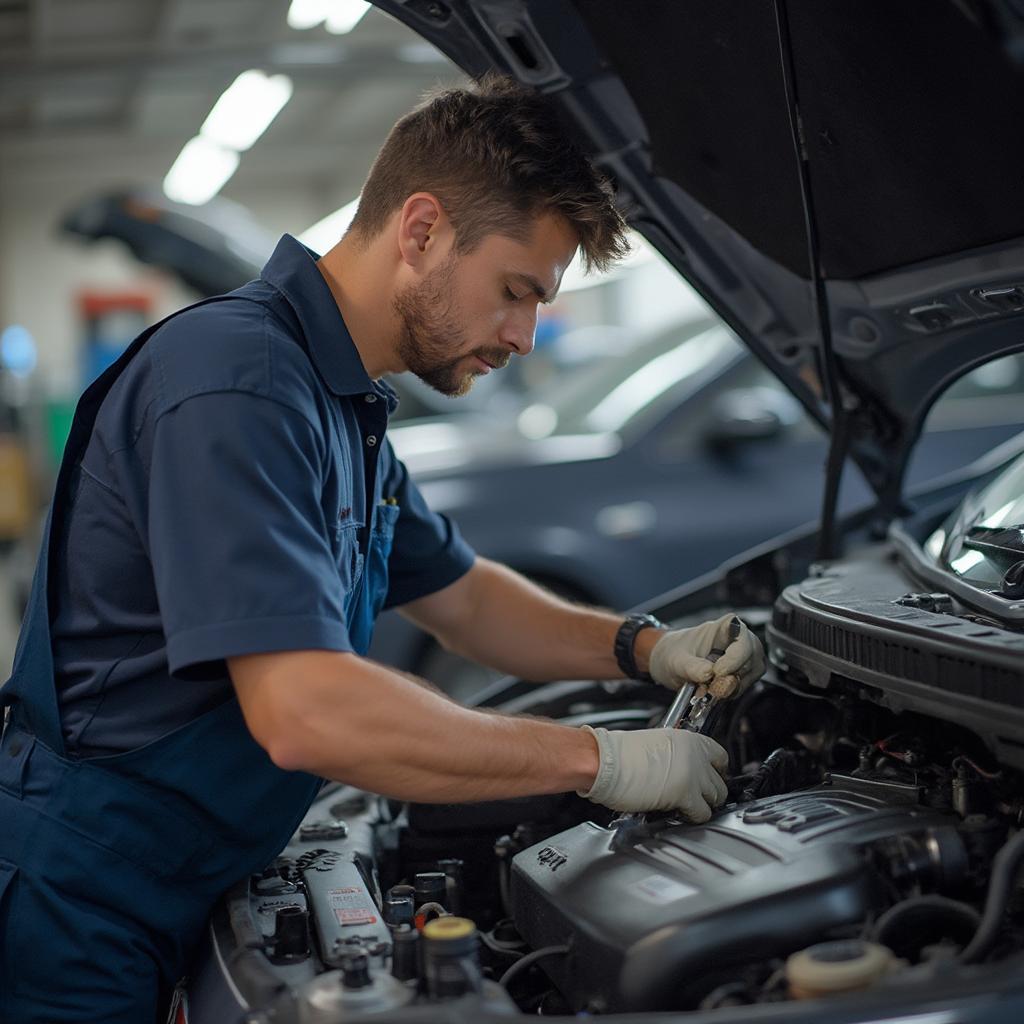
680	712
683	712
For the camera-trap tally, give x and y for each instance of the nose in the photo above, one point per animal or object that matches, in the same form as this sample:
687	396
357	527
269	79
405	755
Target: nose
518	330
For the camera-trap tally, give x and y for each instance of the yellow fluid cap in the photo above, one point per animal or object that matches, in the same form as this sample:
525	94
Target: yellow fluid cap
446	928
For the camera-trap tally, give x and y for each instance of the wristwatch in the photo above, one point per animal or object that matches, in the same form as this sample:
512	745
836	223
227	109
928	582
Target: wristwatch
625	642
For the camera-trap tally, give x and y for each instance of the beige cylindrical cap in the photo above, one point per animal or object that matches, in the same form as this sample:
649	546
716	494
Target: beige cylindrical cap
833	967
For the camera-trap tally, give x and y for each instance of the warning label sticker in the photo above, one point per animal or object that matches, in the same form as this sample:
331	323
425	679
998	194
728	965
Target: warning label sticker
351	906
659	889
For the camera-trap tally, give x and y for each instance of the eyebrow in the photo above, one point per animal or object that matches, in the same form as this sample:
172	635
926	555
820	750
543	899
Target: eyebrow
538	289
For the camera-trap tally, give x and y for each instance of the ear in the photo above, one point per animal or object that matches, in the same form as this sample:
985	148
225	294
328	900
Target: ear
421	221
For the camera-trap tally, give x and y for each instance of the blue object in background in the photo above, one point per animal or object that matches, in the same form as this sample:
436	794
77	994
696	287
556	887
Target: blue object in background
18	353
550	327
109	321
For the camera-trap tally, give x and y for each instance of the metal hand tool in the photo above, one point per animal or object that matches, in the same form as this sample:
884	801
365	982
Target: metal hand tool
678	716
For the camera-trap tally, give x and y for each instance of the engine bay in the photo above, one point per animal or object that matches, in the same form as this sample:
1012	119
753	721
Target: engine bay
867	849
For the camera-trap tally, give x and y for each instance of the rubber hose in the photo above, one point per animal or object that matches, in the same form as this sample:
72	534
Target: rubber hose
902	926
1004	870
528	961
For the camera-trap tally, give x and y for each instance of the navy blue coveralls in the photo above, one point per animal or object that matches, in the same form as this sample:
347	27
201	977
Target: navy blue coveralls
226	489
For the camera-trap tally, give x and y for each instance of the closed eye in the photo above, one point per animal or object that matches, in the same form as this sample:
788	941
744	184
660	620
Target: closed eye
511	294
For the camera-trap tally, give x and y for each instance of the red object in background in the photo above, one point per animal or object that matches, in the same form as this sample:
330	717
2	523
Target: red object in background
93	305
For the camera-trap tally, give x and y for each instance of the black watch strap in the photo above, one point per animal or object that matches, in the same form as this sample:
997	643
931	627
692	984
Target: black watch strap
625	643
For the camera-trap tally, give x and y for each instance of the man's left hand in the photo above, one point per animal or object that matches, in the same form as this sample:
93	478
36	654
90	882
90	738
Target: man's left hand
680	657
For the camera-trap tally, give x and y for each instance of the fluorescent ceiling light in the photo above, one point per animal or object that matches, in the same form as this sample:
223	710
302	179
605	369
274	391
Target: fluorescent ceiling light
326	233
237	120
339	16
344	15
246	108
306	13
200	172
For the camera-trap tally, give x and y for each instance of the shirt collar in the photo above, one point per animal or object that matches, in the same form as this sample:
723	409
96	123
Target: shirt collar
292	270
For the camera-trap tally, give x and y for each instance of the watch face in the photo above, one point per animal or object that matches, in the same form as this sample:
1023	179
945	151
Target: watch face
625	640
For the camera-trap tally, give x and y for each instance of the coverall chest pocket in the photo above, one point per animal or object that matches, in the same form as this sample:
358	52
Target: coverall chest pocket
381	540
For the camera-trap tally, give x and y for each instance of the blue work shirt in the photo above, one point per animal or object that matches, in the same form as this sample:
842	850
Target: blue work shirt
223	507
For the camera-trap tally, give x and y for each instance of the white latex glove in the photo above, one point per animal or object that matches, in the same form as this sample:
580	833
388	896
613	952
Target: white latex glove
659	770
680	656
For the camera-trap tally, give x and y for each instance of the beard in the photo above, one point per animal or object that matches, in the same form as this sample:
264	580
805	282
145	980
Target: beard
430	331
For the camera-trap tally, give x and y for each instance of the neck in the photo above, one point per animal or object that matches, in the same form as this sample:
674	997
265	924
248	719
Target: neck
354	274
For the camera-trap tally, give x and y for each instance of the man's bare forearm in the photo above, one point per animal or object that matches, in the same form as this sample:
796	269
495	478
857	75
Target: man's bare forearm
515	626
345	718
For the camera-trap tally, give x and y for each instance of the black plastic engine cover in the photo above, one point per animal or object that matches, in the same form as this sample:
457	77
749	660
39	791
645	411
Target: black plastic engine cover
657	918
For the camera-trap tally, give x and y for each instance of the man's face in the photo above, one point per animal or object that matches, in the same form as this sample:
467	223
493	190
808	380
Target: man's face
473	312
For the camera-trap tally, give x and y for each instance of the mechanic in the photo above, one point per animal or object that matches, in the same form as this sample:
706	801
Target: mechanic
228	522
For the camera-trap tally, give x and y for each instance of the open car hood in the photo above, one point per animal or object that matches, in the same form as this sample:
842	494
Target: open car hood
907	175
214	248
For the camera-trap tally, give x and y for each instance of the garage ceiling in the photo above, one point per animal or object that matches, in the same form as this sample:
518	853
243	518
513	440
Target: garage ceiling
111	89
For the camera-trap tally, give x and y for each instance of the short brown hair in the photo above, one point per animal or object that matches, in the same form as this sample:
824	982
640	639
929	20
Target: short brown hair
496	155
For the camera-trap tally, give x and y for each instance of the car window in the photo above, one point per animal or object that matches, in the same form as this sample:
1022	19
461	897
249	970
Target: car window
988	395
688	428
614	391
975	414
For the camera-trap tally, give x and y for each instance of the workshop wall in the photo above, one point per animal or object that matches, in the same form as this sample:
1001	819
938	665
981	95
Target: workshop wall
43	271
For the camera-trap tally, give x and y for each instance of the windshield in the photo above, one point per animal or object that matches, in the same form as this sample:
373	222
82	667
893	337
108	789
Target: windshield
606	395
985	536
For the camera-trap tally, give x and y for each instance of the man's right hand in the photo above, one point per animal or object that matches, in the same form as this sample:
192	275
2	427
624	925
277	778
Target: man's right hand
659	770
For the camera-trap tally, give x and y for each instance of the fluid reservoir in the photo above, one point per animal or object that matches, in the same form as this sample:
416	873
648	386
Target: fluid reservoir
451	958
833	967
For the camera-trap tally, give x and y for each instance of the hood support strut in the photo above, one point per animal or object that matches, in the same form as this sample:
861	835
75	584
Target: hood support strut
840	433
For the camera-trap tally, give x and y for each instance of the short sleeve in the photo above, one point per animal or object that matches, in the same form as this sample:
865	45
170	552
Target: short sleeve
240	548
428	552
